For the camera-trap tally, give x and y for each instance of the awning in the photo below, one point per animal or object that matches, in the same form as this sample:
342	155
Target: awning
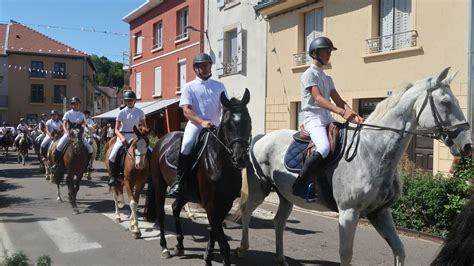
148	107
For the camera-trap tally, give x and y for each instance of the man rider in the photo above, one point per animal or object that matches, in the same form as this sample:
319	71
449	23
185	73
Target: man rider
127	118
22	127
200	101
71	119
53	126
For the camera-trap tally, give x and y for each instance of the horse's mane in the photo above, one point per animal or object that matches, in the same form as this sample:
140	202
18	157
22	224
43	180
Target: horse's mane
387	104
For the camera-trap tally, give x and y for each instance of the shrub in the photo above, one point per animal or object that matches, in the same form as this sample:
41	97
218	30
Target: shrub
20	259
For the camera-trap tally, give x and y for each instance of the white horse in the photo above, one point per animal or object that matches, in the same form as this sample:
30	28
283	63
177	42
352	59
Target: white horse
89	136
369	185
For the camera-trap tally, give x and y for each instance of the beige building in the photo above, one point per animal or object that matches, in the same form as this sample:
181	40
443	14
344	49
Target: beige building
41	72
382	44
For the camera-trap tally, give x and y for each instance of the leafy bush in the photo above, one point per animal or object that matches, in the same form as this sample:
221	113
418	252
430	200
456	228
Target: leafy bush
20	259
429	203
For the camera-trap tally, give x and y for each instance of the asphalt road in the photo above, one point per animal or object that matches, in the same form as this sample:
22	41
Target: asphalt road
31	220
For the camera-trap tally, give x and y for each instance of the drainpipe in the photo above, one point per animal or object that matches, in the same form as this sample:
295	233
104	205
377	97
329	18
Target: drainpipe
470	61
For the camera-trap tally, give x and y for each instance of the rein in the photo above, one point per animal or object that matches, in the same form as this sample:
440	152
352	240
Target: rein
232	142
135	155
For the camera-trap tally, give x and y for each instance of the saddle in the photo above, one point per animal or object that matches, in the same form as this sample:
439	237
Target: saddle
172	153
120	159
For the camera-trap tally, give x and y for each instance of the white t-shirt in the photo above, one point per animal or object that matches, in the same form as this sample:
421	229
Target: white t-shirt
315	76
90	122
54	125
23	127
130	117
204	97
110	132
75	117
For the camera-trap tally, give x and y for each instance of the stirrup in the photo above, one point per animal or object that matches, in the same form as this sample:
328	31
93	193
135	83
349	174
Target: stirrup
311	195
175	190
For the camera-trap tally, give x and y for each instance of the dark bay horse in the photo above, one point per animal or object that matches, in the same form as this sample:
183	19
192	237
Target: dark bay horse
76	160
7	141
22	148
218	176
135	173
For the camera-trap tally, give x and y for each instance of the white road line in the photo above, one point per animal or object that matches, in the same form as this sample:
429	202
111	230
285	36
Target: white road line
6	245
66	237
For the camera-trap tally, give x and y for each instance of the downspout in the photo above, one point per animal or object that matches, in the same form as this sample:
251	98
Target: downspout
470	61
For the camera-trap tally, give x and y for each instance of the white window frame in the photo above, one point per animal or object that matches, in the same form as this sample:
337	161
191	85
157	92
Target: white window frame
228	63
157	91
158	30
183	22
395	24
138	44
181	74
138	85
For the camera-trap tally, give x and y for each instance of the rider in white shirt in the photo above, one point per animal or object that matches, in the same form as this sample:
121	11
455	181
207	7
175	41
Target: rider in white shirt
127	118
53	126
4	129
22	127
72	118
201	104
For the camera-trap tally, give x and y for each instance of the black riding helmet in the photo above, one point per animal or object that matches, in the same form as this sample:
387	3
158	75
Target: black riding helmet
75	99
54	112
319	43
129	95
202	58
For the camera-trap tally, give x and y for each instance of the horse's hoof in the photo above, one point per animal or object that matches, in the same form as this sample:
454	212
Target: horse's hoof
75	212
48	178
178	251
165	254
120	205
59	199
137	235
239	252
89	178
117	220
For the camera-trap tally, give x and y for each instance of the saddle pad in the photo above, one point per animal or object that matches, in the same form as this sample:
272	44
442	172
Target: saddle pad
294	157
172	153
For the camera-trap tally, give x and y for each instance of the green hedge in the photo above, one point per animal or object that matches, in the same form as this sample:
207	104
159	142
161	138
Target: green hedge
429	203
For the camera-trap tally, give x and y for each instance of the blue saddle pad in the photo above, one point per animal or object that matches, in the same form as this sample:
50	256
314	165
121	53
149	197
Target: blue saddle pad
294	157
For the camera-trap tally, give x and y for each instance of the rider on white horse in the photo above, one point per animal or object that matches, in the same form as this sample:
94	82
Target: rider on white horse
92	127
316	90
72	118
52	125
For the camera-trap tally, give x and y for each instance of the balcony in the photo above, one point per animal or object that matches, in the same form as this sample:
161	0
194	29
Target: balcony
3	101
57	100
230	66
392	42
37	74
270	8
37	99
59	75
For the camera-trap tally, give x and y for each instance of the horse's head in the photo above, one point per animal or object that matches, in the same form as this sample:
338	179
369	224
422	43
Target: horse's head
236	126
438	109
139	146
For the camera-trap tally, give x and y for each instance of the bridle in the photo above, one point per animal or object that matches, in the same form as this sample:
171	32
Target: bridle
230	144
443	133
134	154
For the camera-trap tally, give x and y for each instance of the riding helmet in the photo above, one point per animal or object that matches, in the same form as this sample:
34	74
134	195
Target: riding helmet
43	115
129	95
202	58
54	112
75	99
320	42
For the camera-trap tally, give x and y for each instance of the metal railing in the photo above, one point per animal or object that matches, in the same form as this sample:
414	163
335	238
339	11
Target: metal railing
157	45
226	2
392	42
181	36
37	74
230	66
301	59
36	99
59	75
57	100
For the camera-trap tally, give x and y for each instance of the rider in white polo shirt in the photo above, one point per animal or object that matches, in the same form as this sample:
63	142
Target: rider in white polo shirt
72	118
52	125
200	101
127	118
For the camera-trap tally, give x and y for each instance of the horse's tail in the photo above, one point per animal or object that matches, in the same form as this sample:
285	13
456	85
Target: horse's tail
150	202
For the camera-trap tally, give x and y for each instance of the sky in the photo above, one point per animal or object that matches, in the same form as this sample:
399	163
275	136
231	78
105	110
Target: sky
79	17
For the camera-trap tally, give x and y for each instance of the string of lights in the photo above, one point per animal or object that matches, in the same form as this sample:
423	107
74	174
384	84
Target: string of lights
39	71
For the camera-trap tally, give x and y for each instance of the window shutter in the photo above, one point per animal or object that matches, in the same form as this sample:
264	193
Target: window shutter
157	91
402	23
220	3
239	48
386	24
220	54
138	85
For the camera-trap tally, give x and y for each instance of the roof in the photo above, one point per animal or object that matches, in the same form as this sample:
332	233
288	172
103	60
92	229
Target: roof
148	107
108	91
141	10
26	40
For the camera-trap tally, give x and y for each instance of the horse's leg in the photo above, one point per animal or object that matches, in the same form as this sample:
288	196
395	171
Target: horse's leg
284	210
187	209
160	196
77	185
209	254
118	203
177	206
348	220
383	222
58	185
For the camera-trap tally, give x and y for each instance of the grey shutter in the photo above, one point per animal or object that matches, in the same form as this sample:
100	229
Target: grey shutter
386	24
220	3
220	53
402	23
239	48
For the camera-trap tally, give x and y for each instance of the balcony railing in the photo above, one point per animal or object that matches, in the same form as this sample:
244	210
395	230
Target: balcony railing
392	42
36	99
57	100
230	66
59	75
301	59
3	101
228	2
36	74
157	45
182	36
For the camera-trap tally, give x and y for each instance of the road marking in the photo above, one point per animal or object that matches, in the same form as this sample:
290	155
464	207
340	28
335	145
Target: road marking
6	245
66	237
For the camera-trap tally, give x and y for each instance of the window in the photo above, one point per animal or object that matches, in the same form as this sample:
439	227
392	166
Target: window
37	93
313	28
182	24
229	55
138	44
138	85
182	73
59	71
157	90
158	35
395	24
37	70
59	93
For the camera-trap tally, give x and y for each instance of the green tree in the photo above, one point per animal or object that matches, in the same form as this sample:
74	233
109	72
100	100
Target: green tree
108	73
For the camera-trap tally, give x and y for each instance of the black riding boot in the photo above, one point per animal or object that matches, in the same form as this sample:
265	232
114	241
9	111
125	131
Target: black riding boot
113	173
303	181
182	174
90	167
58	160
44	152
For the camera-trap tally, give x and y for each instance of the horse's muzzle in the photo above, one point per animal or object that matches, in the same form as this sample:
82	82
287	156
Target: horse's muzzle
240	162
467	150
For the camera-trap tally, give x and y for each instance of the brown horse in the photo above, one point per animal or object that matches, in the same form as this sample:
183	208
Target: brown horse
76	160
218	176
135	173
22	148
7	141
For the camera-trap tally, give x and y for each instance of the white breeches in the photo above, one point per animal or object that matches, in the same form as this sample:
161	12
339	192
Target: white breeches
118	144
46	141
191	133
319	136
65	139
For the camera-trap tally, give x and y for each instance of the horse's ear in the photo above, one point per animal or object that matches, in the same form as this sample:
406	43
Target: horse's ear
246	98
224	100
136	131
451	77
442	76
